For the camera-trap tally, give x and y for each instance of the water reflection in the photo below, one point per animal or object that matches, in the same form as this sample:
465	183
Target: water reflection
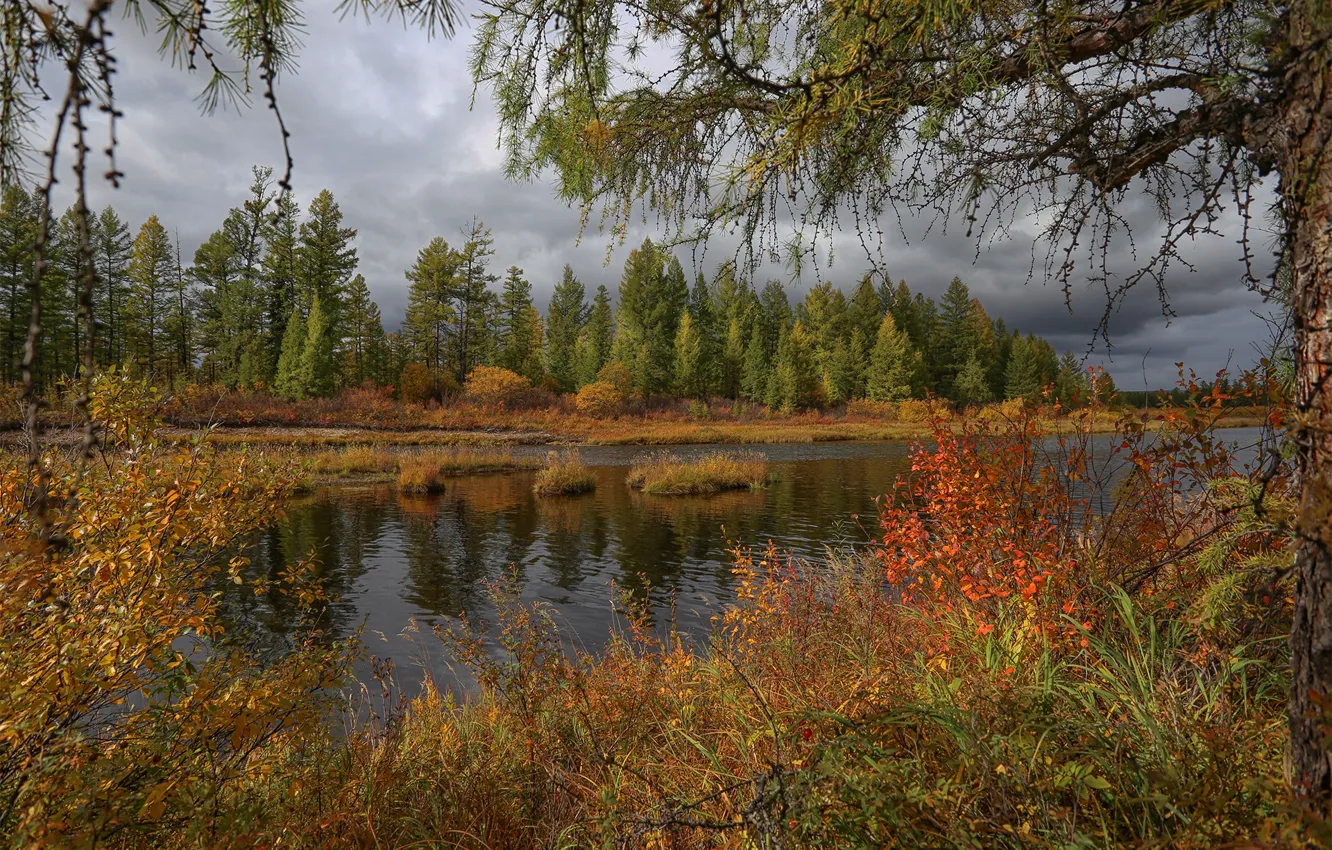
390	559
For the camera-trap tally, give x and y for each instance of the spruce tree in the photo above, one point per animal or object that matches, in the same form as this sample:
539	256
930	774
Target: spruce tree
840	373
1022	379
429	325
18	231
755	373
1071	385
111	253
795	372
317	373
215	272
564	322
363	347
289	383
150	272
280	271
597	339
515	326
691	379
472	300
889	375
325	258
732	360
865	310
973	383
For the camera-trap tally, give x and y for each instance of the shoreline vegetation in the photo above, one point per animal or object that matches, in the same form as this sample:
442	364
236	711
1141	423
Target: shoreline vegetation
715	472
1005	667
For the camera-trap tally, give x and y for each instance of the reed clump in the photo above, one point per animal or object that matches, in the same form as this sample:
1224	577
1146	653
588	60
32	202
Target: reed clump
564	475
715	472
427	471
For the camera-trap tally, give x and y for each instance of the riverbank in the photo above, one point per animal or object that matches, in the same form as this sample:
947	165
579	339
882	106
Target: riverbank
517	430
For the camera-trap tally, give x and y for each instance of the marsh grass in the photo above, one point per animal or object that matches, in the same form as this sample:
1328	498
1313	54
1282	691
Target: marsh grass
426	472
670	475
564	475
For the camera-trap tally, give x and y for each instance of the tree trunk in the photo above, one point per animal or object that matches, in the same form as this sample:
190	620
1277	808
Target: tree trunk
1306	185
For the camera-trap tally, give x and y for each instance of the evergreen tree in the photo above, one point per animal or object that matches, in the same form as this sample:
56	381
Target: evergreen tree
564	322
18	232
866	309
774	315
280	271
111	255
955	343
1071	385
840	372
215	272
795	372
653	293
364	344
973	383
429	324
532	329
179	325
732	360
289	383
597	339
691	368
889	376
1022	379
756	371
515	326
704	317
316	373
473	300
325	257
150	272
61	332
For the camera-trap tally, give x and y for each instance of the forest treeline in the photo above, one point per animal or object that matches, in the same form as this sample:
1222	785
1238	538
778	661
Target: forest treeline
273	299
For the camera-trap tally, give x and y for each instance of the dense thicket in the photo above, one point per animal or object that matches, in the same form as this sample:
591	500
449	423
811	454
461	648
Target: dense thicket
273	299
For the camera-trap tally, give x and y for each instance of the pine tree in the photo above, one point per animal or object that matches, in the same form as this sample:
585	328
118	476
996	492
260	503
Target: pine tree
325	258
280	271
564	322
215	274
1022	379
795	372
653	293
18	231
973	383
111	255
889	376
1071	385
866	310
150	273
473	300
363	347
61	332
317	373
597	338
515	326
732	360
289	383
705	319
179	327
755	374
429	324
691	368
840	372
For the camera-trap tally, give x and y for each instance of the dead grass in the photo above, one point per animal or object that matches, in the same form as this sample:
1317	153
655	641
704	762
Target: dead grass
564	475
670	475
425	472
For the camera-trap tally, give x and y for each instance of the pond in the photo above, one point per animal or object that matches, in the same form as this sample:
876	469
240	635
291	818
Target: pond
390	560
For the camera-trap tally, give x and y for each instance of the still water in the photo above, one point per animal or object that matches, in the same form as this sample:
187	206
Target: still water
390	560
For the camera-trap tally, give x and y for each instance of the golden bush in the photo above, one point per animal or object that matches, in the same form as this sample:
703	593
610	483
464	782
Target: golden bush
601	399
495	386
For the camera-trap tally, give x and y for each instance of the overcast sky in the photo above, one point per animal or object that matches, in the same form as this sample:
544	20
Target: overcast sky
380	115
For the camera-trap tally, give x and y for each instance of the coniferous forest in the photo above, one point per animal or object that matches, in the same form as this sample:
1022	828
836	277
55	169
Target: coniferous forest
273	299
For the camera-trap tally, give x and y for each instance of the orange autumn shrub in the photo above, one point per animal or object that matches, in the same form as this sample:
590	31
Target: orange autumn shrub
600	399
493	386
416	384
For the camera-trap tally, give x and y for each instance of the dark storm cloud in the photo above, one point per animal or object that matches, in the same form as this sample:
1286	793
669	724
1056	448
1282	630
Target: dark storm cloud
379	115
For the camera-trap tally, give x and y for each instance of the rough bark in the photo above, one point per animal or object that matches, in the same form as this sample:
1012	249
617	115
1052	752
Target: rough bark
1306	177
